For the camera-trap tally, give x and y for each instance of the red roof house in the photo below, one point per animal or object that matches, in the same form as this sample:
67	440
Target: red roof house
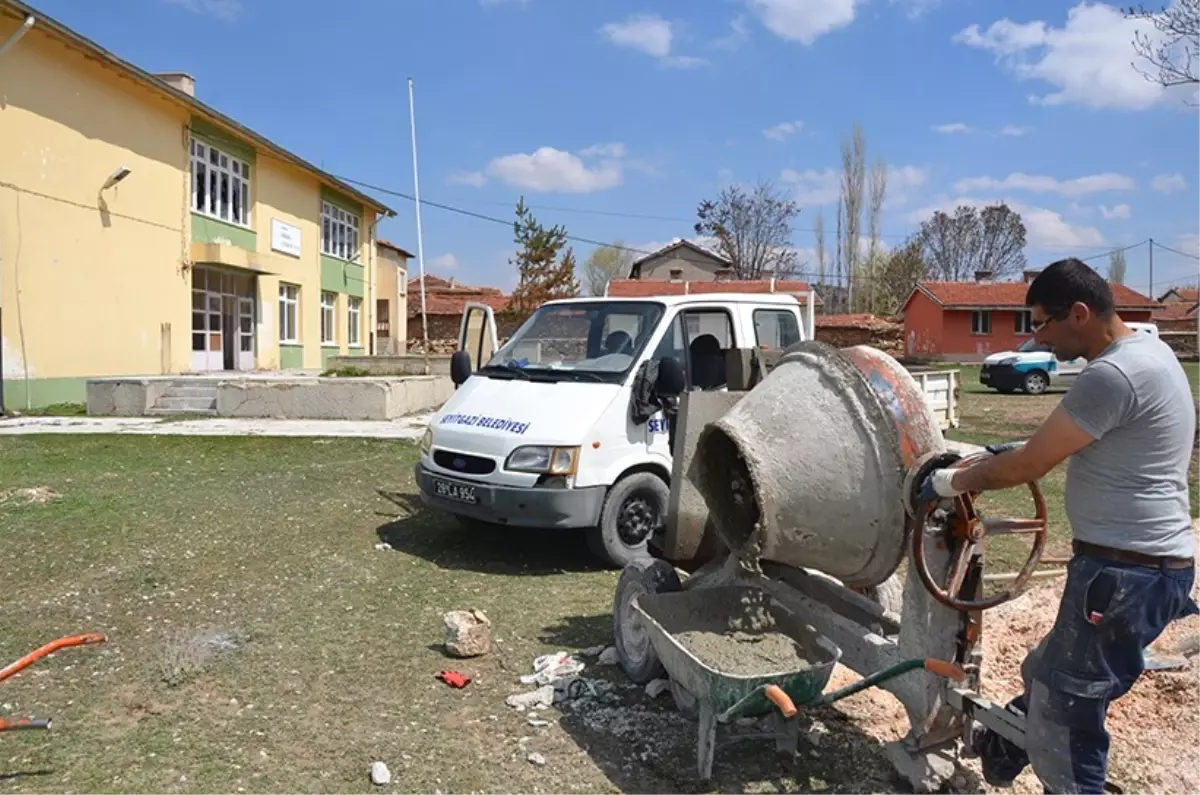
967	321
1180	310
444	303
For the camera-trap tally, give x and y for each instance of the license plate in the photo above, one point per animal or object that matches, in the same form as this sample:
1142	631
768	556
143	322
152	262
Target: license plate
459	492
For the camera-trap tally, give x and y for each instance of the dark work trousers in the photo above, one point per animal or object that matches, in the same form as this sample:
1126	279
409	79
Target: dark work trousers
1110	613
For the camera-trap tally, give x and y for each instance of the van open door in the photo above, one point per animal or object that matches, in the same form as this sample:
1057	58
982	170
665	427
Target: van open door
477	334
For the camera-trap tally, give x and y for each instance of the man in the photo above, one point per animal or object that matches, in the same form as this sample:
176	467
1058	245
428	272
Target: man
1127	424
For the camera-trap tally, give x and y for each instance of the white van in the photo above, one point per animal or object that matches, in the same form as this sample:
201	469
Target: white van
1033	368
564	427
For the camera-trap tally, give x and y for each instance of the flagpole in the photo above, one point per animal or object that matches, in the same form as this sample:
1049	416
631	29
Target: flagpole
420	241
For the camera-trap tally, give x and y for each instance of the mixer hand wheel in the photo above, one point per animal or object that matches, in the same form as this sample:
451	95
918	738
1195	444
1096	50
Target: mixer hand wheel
967	532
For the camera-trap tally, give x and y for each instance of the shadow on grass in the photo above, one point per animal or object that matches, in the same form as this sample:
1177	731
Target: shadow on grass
579	632
449	543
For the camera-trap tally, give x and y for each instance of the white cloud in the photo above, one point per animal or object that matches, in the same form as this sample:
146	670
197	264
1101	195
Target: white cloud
739	34
651	34
1043	228
550	170
914	9
444	262
782	130
1087	61
474	179
1080	186
225	10
804	20
1168	183
1189	244
1014	130
950	129
814	188
1121	212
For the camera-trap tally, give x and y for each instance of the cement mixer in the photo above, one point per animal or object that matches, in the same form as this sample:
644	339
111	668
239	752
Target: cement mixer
802	481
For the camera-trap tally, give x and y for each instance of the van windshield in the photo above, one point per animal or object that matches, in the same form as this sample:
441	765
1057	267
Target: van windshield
593	341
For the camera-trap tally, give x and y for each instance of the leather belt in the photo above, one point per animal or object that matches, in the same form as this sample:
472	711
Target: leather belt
1129	556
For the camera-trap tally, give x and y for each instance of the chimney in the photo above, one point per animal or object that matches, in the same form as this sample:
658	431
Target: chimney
984	276
181	81
1030	275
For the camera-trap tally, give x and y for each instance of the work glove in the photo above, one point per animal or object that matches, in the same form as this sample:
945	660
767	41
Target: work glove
1003	447
937	486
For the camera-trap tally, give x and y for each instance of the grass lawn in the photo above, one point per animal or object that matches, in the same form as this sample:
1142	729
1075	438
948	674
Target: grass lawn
259	642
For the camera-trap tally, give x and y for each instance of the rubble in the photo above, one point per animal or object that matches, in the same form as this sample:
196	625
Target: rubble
536	758
609	656
468	633
541	698
380	774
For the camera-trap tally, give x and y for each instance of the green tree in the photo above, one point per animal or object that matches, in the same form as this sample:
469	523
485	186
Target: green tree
605	264
546	272
1116	266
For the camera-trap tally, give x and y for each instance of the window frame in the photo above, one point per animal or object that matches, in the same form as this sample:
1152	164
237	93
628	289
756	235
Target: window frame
780	311
240	183
329	318
353	321
1027	326
981	322
340	231
289	304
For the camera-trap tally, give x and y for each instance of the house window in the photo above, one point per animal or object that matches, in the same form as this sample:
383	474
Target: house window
383	326
724	274
1023	322
676	274
289	314
981	322
220	185
328	318
353	321
339	232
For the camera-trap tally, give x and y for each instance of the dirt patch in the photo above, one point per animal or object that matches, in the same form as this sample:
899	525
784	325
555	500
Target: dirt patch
36	495
744	653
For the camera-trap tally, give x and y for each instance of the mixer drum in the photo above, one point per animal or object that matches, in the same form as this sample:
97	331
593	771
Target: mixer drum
808	468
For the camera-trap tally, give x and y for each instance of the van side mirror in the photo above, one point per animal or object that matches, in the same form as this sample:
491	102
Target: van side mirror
670	381
460	367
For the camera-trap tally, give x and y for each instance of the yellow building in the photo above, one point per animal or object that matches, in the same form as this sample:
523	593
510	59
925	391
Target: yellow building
144	233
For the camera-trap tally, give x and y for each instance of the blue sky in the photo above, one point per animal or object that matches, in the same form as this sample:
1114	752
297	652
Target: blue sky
642	108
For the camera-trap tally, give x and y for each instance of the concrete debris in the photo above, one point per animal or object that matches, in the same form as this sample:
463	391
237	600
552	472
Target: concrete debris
383	546
536	759
537	723
550	668
925	772
656	687
380	774
468	633
815	732
592	651
609	656
541	698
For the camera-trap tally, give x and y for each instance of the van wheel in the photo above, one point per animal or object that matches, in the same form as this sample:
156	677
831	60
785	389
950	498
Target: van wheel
633	510
1035	383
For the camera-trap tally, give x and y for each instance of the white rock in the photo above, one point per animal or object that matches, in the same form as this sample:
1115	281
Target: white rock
656	687
541	698
537	723
383	545
536	758
609	656
468	633
380	774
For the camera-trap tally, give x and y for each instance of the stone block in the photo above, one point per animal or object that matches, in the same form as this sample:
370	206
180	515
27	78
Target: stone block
468	633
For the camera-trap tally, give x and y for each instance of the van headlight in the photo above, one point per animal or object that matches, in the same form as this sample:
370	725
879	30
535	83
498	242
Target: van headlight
543	459
427	441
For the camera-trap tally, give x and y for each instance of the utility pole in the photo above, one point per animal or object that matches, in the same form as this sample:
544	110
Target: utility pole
420	244
1151	269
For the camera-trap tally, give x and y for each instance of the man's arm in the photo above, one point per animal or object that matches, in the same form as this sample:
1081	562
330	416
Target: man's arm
1058	438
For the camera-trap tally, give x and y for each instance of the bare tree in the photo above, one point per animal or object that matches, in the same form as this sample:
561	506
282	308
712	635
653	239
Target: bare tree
605	264
753	229
820	234
957	246
1172	55
854	174
840	258
1116	266
874	213
898	273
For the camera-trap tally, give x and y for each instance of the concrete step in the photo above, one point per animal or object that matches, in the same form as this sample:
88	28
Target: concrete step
191	392
187	403
158	411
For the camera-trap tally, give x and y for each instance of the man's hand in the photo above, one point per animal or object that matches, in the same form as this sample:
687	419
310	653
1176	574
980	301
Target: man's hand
939	485
1003	447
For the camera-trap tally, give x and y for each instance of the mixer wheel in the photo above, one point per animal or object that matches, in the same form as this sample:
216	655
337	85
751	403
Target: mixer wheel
634	650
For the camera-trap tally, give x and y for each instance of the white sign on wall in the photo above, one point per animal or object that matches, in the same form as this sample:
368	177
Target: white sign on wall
285	238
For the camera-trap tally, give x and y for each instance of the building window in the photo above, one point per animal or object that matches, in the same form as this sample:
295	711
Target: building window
723	274
383	326
289	314
1023	322
339	232
354	321
676	274
328	318
981	322
220	185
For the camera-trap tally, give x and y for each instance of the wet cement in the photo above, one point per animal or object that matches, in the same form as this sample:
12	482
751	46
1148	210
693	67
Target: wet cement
745	653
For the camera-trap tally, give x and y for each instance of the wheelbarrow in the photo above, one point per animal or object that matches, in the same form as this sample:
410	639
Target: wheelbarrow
721	696
86	639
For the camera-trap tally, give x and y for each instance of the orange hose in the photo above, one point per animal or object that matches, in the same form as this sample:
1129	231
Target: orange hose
946	669
776	696
51	647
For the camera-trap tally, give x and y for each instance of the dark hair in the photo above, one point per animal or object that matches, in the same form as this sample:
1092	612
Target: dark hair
1064	282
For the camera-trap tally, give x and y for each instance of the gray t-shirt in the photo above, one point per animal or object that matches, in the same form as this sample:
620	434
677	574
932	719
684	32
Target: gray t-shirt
1128	489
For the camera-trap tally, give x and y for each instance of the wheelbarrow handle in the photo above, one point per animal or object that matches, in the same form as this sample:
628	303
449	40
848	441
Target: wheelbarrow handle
85	639
780	699
7	725
937	667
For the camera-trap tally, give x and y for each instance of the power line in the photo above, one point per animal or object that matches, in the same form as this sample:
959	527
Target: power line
1114	251
1176	251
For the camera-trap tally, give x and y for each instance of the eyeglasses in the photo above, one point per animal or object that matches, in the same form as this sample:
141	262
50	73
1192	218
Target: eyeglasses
1056	316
